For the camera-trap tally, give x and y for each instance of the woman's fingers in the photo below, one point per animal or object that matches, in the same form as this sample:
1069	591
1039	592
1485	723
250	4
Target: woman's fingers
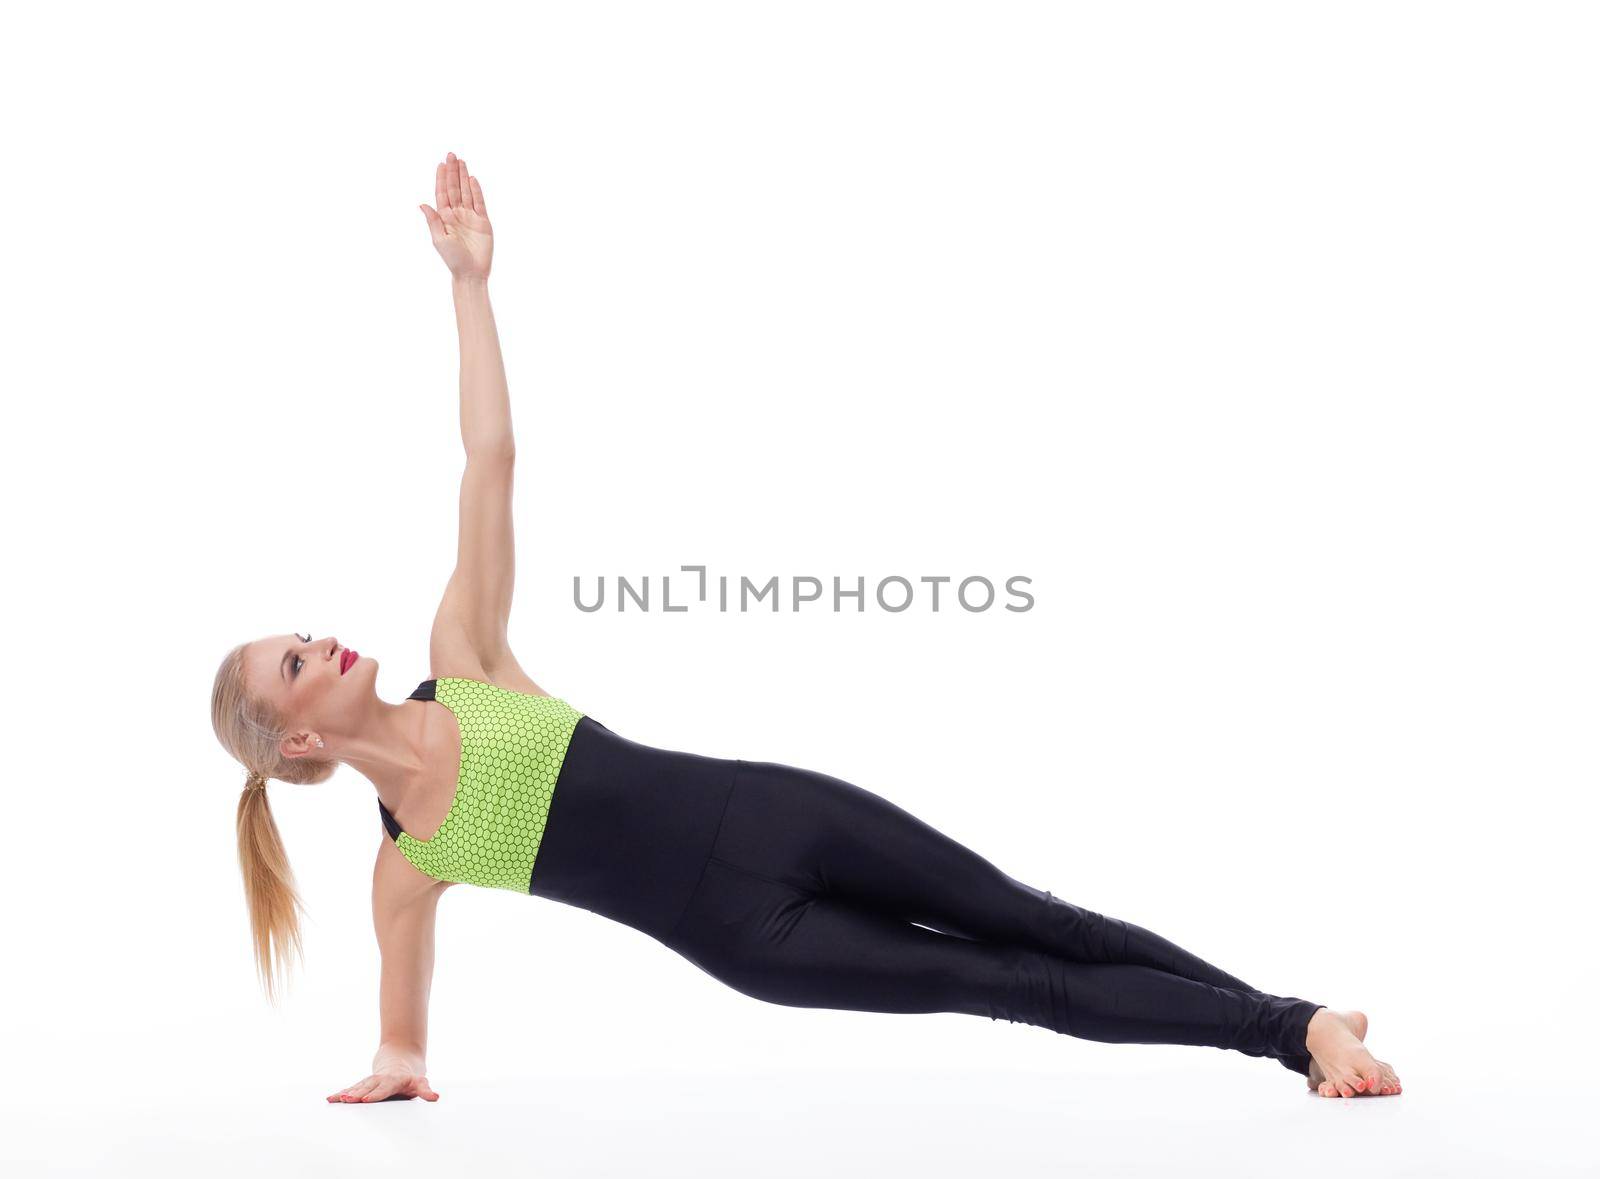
423	1090
452	179
456	188
344	1094
435	224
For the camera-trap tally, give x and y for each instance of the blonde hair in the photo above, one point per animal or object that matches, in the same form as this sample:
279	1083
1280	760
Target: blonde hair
250	729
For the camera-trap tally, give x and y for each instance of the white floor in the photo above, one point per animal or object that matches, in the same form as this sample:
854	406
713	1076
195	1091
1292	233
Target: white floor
810	1124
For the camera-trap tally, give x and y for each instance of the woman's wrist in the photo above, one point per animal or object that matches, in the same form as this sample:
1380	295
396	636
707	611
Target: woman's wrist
399	1058
470	282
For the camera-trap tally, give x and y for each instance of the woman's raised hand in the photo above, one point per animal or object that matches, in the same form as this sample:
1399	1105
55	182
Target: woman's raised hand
460	225
396	1082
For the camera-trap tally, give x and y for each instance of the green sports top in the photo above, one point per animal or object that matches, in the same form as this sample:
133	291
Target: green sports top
512	747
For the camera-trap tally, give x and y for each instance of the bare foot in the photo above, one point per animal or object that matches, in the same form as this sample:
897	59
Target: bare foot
1389	1082
1341	1066
1356	1021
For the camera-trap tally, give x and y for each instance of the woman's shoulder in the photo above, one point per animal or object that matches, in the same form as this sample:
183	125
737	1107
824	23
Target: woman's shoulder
515	681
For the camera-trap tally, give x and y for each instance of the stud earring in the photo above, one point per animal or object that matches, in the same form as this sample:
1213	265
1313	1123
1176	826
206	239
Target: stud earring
319	742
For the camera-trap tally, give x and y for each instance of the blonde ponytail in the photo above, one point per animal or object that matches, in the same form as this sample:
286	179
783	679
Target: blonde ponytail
251	730
269	890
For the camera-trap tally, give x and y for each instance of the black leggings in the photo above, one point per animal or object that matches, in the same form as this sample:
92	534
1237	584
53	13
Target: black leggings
799	888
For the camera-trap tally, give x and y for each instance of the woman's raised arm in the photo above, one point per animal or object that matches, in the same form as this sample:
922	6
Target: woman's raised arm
472	621
465	240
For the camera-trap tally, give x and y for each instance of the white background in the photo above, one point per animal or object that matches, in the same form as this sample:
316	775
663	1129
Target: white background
1261	337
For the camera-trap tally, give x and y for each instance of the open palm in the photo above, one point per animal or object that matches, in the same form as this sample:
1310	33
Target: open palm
460	225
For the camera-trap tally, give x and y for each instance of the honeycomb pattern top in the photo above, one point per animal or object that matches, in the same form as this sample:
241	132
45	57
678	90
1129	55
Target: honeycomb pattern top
512	747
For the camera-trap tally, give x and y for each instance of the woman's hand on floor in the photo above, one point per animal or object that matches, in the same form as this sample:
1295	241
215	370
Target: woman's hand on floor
460	225
398	1082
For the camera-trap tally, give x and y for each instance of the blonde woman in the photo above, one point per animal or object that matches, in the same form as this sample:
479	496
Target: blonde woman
787	884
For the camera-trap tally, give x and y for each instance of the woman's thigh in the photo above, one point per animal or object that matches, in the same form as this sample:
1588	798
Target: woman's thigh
782	944
826	836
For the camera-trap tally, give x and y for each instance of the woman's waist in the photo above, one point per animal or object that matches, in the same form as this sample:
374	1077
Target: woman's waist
630	827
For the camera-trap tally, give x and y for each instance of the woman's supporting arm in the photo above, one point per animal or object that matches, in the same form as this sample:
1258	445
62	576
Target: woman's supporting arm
405	904
405	930
404	907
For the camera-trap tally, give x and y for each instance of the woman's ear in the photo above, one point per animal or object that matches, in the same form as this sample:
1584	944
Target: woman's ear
300	744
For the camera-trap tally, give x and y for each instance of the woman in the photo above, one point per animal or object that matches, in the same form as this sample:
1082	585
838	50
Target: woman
787	884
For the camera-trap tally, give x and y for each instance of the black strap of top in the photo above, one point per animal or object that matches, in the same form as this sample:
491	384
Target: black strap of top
424	691
389	824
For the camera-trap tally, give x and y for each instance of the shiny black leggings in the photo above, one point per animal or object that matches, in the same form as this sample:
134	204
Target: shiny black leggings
809	896
799	888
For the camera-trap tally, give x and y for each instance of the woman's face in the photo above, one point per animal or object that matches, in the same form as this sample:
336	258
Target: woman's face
302	677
